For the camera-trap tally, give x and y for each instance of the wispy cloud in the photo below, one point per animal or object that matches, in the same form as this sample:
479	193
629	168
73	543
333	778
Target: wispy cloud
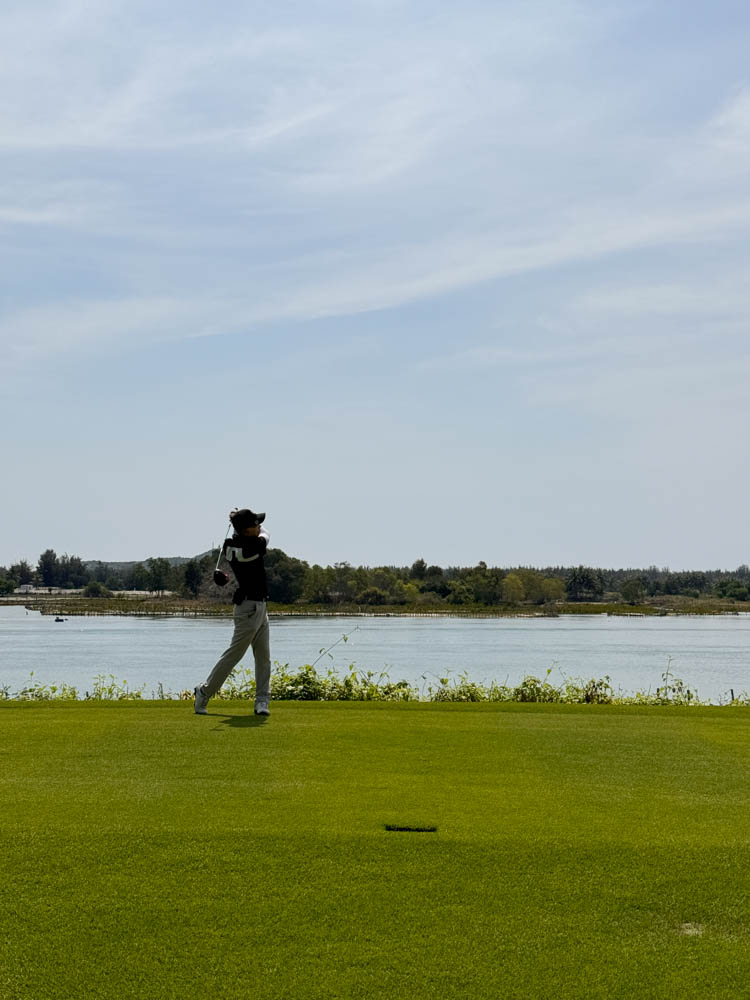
50	216
730	127
368	281
706	296
336	166
549	197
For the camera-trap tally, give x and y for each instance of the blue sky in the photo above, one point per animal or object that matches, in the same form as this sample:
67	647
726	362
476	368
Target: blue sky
457	282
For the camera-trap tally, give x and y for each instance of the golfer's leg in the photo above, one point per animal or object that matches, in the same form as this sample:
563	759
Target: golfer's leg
241	639
262	655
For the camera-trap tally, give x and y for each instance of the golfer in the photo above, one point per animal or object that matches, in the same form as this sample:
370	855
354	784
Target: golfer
243	553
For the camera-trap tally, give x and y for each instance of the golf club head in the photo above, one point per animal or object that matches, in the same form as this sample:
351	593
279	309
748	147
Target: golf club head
220	579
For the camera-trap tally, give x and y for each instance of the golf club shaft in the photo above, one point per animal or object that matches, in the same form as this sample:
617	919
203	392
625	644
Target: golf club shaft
221	547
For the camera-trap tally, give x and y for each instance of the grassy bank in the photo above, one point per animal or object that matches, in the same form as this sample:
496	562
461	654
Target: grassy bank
306	683
597	852
56	604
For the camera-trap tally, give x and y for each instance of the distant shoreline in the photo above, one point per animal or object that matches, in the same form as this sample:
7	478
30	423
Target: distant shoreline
150	605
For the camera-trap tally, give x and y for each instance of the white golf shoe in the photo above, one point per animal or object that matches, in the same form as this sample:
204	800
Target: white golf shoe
201	700
261	707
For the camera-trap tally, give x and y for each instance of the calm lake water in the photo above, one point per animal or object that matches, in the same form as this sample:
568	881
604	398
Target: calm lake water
711	654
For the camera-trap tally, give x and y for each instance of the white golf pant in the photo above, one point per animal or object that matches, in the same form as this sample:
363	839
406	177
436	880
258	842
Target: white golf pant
250	629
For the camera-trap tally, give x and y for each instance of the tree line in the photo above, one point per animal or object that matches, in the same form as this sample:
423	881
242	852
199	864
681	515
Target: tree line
72	573
294	581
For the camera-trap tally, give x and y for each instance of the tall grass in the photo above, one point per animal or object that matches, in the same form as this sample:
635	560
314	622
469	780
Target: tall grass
307	683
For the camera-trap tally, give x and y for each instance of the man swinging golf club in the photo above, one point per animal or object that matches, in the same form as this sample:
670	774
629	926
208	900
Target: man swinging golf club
243	553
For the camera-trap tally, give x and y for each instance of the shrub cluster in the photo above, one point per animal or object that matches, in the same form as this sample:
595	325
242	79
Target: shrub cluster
309	684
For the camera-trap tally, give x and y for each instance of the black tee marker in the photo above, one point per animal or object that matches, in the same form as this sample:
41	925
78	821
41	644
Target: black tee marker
398	828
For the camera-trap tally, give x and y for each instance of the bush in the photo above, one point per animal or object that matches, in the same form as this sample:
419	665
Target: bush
464	689
96	589
533	689
307	684
373	595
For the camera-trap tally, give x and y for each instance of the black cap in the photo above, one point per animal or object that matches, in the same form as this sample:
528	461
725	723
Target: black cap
245	518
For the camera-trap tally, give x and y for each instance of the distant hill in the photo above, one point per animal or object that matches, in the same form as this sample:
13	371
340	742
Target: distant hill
123	567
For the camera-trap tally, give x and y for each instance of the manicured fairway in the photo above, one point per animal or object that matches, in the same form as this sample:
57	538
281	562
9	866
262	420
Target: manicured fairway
581	851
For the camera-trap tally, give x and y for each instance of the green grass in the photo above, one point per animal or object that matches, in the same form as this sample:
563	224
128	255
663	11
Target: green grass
580	851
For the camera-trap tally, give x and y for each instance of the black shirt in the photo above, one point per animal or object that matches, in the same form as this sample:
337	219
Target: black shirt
245	558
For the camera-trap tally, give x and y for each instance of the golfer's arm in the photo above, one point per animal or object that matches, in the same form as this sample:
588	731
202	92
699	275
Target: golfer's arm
224	563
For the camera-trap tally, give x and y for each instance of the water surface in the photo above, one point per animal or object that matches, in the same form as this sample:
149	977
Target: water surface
711	653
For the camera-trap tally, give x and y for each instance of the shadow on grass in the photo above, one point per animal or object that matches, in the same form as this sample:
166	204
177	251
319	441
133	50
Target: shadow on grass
240	721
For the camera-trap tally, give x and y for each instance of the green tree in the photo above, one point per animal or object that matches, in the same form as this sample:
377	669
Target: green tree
137	578
460	593
96	589
158	574
384	578
72	572
192	577
48	568
100	572
533	584
553	589
344	583
434	580
318	583
484	584
633	590
7	586
286	577
584	583
418	570
176	579
512	589
373	595
399	593
21	572
733	589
